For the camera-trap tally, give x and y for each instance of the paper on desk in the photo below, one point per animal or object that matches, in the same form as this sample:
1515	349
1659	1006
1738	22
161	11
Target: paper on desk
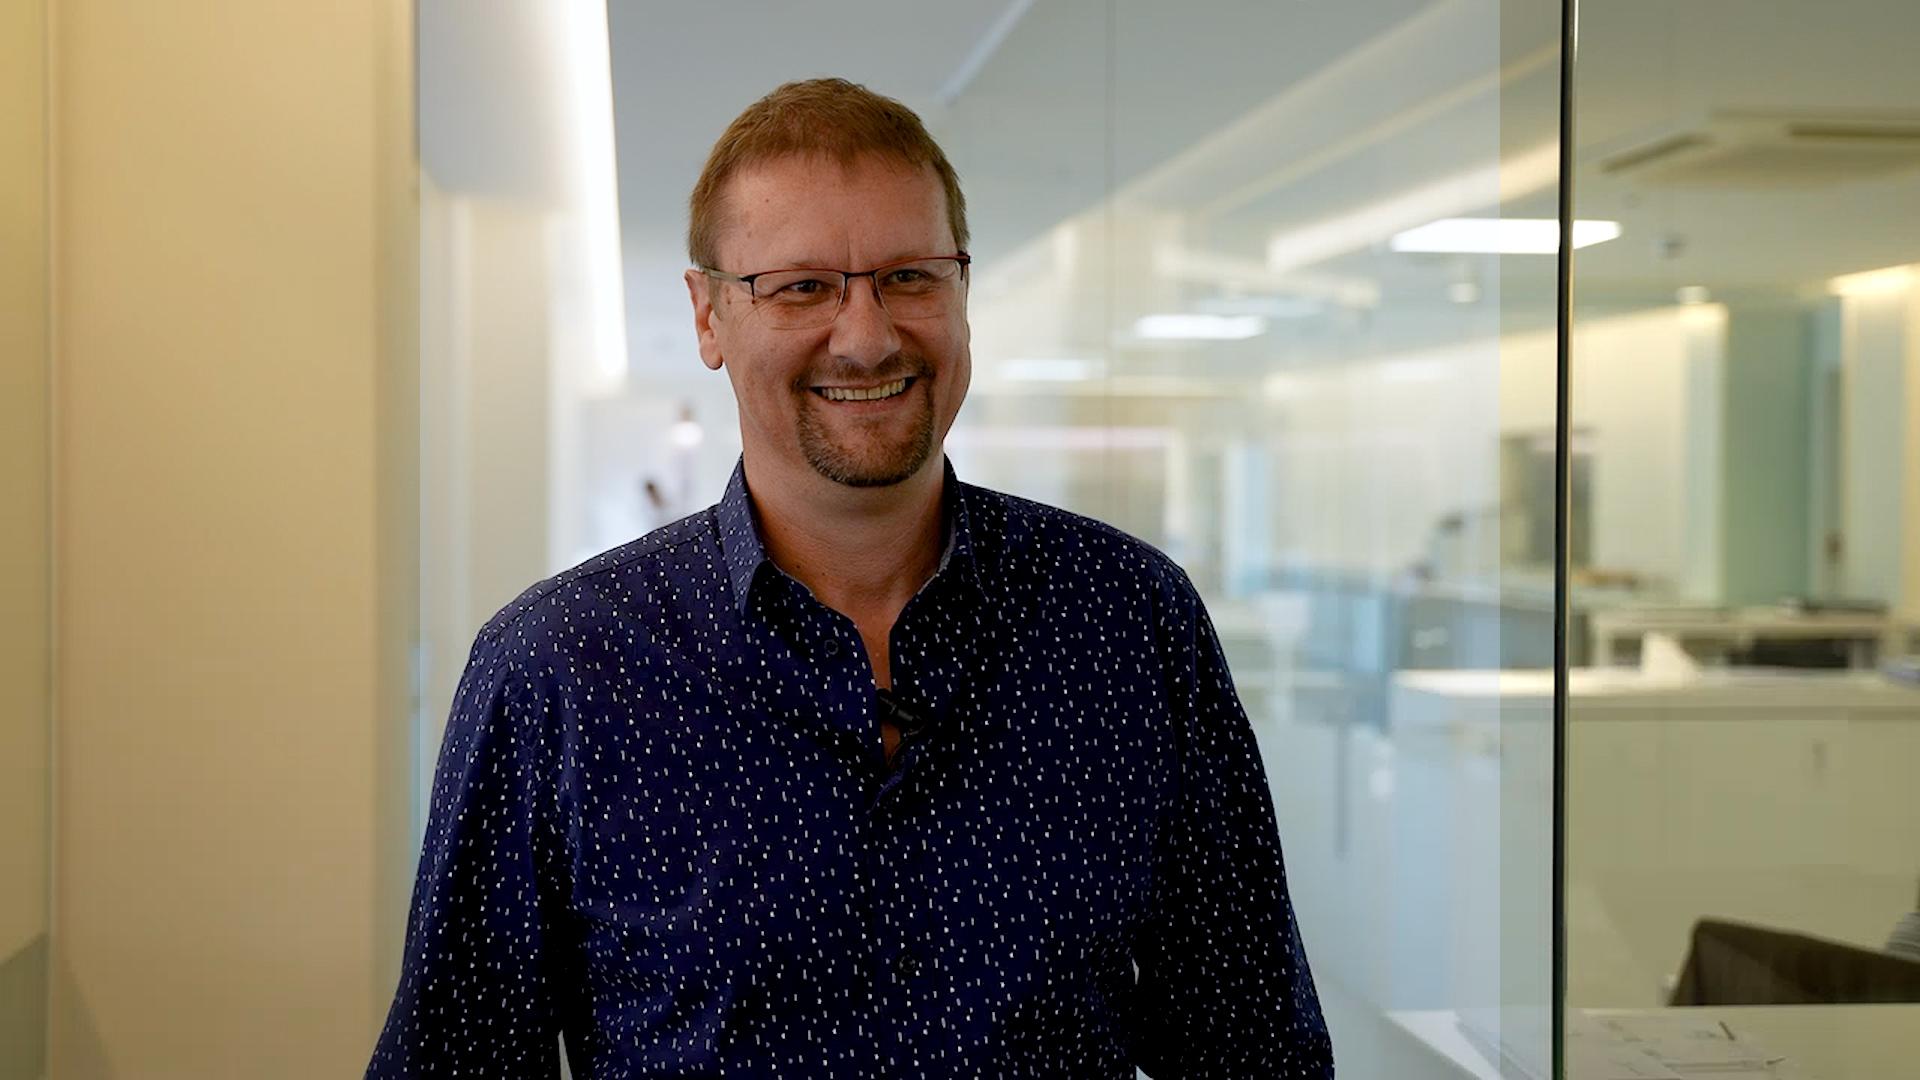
1678	1044
1592	1056
1689	1045
1662	659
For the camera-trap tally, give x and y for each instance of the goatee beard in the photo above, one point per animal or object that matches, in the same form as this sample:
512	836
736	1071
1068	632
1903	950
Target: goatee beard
843	466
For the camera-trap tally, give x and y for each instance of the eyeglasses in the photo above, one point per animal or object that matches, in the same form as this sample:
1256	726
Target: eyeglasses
806	298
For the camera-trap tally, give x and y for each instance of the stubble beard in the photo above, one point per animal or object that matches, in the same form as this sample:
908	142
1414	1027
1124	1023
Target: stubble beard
868	466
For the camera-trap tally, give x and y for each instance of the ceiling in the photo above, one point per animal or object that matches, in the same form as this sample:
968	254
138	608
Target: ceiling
682	72
1232	131
1648	67
1049	108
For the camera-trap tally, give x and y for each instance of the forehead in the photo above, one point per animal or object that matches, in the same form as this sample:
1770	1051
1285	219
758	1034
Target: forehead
817	211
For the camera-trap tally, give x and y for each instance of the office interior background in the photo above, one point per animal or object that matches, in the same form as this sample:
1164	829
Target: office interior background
326	331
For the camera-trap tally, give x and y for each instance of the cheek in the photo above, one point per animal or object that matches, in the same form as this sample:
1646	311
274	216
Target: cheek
960	358
758	390
946	349
762	370
955	377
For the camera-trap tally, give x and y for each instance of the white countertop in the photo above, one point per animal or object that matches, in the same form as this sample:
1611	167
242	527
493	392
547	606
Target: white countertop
1816	1042
1771	687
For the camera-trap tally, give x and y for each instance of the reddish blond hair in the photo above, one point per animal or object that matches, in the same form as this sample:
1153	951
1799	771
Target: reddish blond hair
829	117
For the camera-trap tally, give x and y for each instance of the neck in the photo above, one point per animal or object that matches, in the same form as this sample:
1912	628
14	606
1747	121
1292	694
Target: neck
862	551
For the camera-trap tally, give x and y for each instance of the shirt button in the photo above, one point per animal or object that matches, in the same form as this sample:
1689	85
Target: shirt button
830	648
906	965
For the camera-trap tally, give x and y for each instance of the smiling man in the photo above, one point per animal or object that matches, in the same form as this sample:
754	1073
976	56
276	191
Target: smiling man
863	771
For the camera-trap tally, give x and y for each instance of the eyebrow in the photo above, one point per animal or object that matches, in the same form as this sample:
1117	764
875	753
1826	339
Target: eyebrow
829	263
911	252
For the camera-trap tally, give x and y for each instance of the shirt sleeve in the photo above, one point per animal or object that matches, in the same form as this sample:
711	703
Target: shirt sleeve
475	997
1224	989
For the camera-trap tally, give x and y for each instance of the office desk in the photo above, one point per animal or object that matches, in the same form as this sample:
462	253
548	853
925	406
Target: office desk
1820	1042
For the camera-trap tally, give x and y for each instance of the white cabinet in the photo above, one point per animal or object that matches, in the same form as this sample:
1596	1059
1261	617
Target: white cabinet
1789	799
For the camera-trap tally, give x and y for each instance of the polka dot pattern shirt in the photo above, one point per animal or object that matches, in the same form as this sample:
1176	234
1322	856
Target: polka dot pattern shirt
664	827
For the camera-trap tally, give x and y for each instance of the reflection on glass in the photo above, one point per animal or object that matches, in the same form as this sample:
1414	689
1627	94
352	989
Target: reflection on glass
1283	327
1743	827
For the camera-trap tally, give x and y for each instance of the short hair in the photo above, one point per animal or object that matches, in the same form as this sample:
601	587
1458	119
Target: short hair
828	117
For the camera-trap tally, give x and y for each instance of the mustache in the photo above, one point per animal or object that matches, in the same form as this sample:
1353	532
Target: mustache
898	368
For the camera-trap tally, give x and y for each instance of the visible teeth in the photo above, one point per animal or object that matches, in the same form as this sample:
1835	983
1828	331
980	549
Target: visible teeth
837	393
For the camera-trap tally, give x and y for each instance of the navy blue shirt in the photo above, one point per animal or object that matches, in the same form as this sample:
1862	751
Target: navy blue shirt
663	824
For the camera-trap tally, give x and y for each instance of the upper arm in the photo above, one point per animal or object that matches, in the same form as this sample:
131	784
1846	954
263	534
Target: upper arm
475	994
1224	985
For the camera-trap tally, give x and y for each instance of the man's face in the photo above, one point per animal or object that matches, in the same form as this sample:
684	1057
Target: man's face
812	212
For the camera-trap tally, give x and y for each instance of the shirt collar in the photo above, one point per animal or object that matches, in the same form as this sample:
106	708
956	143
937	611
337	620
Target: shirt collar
744	553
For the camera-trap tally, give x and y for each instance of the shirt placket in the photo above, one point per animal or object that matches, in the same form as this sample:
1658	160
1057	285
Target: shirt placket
934	654
898	955
847	714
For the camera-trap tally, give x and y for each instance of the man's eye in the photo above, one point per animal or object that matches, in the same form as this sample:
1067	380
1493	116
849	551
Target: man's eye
803	289
908	277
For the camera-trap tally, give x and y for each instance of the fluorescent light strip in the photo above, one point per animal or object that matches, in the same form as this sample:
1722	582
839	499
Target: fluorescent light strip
1198	327
1048	369
1500	236
588	127
1495	182
1891	279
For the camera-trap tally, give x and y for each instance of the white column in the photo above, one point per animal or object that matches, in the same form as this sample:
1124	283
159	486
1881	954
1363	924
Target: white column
1879	328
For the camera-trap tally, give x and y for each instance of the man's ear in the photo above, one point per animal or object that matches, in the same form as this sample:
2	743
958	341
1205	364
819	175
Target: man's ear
700	292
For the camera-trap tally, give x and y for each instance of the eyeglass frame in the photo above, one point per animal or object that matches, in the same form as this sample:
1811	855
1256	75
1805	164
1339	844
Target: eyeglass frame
846	277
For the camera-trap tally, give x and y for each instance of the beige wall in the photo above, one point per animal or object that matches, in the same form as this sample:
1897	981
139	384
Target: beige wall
23	537
23	478
233	313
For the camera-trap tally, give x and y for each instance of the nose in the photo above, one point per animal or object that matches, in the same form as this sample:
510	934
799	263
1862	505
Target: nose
863	333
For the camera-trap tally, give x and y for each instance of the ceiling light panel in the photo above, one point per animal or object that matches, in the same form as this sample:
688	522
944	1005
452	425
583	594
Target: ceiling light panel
1499	236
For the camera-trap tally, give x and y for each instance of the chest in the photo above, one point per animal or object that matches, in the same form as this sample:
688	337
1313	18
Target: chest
722	836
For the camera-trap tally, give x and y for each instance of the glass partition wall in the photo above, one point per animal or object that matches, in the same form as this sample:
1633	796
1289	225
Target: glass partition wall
1250	282
25	551
1743	825
1232	319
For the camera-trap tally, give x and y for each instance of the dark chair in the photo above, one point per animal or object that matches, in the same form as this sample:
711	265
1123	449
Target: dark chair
1736	964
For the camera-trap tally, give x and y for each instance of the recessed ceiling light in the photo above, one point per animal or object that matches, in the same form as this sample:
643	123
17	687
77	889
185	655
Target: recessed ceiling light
1500	236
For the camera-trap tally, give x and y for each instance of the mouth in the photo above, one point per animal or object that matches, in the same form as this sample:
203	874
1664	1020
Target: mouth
867	393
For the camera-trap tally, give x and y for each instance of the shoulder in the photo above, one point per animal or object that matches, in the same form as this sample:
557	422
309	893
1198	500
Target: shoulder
619	582
1034	543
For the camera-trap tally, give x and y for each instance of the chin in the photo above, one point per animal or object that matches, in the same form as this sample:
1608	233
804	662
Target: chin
869	474
869	465
895	465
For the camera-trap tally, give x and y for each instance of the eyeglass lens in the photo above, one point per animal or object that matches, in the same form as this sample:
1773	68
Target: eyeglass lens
806	298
